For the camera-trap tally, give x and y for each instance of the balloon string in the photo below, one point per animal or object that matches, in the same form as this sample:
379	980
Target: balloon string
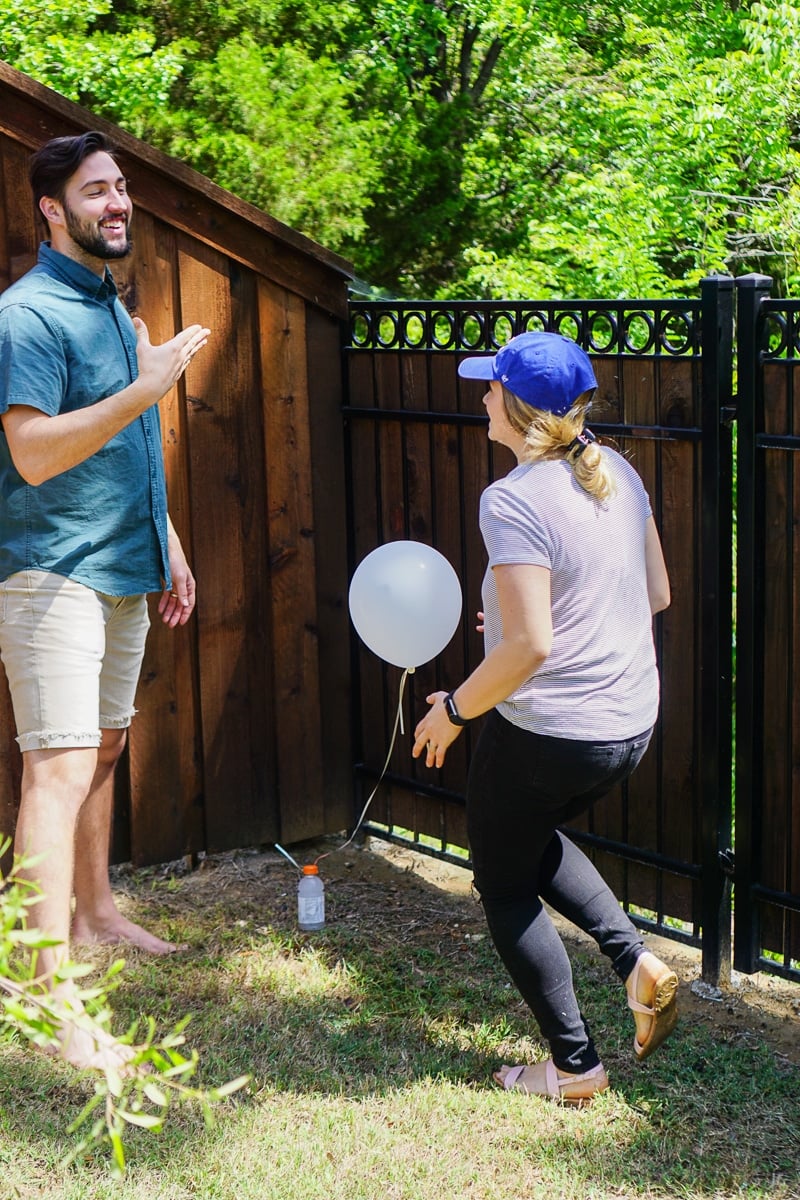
398	723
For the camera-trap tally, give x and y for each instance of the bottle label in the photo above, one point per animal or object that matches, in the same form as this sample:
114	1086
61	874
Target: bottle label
311	910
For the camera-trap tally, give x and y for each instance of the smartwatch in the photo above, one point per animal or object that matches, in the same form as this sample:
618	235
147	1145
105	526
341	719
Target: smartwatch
452	711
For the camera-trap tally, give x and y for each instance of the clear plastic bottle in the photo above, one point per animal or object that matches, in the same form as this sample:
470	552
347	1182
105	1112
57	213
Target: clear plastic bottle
311	899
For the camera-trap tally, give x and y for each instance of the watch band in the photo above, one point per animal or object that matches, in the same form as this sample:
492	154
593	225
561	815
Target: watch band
452	712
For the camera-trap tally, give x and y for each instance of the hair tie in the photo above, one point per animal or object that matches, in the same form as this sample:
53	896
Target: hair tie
582	440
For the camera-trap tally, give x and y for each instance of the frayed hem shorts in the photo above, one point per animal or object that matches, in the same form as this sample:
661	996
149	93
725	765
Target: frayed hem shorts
72	657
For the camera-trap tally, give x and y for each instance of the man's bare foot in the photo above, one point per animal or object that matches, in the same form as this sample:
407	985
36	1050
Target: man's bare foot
117	930
93	1049
82	1042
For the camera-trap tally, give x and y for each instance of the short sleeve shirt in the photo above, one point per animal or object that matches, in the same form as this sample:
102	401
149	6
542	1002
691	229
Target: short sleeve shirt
600	681
66	342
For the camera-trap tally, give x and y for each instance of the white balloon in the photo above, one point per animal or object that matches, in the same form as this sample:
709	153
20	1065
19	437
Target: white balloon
405	602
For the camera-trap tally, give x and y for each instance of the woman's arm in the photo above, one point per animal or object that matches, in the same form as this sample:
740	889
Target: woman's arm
657	578
523	594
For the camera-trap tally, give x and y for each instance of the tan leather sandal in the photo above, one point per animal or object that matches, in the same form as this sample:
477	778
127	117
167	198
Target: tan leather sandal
662	1006
543	1079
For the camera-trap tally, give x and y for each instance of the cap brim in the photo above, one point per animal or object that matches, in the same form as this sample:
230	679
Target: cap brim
477	368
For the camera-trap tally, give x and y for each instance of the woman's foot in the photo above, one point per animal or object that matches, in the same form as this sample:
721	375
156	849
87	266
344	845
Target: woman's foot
652	989
546	1079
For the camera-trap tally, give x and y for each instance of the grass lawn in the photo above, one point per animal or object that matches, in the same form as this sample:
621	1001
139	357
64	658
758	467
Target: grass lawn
371	1046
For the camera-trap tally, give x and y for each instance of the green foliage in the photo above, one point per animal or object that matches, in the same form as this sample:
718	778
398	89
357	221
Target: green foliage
455	147
155	1078
272	125
123	76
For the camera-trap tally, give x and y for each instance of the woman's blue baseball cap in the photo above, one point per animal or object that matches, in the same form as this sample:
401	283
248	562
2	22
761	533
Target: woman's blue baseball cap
546	370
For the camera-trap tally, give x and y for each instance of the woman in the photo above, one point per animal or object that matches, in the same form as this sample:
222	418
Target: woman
575	573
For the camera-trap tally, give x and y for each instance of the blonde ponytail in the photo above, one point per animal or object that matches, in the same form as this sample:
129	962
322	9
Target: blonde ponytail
548	436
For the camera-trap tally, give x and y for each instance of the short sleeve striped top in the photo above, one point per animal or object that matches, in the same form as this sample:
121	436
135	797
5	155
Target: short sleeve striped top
600	680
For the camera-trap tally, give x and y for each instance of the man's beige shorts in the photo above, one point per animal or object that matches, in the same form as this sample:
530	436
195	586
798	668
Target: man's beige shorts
72	657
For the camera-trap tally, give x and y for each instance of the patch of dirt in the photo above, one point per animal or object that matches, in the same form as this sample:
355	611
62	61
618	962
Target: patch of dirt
388	884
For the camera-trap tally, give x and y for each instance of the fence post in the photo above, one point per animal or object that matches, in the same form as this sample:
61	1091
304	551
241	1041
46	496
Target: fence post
717	294
752	290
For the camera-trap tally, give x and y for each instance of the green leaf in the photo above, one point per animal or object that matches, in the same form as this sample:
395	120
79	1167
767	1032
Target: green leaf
155	1094
226	1089
140	1119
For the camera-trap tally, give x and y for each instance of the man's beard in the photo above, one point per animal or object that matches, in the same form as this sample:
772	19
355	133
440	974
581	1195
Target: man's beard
88	236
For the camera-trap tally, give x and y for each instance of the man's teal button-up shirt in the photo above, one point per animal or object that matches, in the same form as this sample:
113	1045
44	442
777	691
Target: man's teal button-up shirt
66	341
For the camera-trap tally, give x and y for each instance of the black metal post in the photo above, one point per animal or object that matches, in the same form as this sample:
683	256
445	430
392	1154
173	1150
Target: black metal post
752	291
717	293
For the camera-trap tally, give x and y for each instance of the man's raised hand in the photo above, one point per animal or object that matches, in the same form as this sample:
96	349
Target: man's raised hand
162	366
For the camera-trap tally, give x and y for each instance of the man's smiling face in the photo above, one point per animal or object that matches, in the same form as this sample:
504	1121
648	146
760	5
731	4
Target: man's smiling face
97	209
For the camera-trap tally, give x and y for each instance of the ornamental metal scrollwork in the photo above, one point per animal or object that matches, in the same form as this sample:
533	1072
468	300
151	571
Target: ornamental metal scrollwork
535	321
639	331
385	317
562	320
600	326
443	329
775	332
675	332
360	328
467	320
595	321
501	319
415	329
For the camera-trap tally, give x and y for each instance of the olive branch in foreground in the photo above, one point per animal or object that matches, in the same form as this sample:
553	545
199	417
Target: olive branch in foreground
156	1072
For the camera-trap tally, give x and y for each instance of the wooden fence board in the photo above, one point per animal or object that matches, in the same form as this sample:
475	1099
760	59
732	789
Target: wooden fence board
323	341
777	692
22	228
779	688
367	535
291	557
164	750
453	523
228	499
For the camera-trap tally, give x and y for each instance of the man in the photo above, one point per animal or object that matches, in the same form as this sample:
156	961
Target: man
84	535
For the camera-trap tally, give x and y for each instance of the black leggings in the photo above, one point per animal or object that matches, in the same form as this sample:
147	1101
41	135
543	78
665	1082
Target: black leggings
522	786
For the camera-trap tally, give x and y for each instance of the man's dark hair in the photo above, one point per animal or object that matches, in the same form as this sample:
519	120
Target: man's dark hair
57	161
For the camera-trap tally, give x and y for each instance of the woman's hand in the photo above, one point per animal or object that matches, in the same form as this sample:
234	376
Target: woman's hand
435	733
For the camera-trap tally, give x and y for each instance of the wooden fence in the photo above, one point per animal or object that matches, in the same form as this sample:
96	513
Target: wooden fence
243	733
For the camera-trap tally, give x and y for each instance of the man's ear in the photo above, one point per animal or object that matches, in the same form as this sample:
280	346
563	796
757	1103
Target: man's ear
51	210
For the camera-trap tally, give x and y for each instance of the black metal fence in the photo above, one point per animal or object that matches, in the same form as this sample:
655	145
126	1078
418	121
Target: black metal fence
767	908
418	460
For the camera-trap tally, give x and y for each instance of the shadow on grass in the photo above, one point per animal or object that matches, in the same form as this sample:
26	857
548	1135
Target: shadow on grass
401	1005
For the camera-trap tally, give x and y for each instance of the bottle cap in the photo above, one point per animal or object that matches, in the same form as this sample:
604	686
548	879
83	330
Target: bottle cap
311	869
